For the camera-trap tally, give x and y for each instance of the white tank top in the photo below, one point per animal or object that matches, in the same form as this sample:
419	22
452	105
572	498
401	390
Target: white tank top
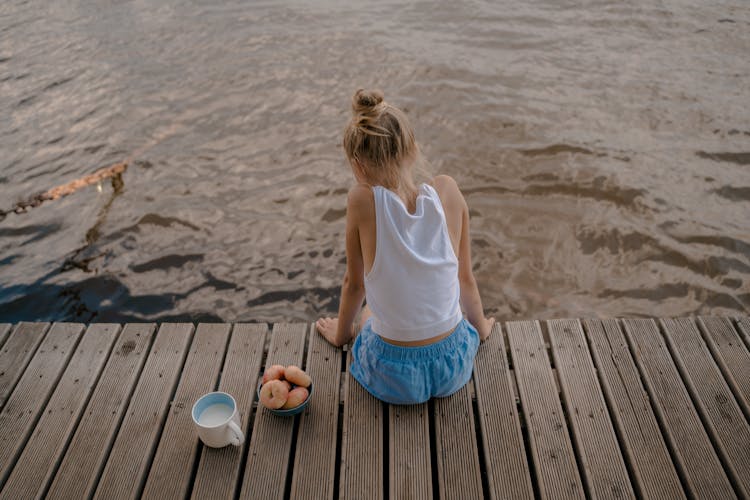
412	288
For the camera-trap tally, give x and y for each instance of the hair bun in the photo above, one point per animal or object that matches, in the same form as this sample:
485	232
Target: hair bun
364	101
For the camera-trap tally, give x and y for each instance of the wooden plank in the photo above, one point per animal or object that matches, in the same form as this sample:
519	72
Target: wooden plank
456	447
171	471
4	332
508	474
16	354
32	392
271	440
315	458
698	466
743	326
218	472
88	450
125	472
731	355
650	465
551	449
720	413
39	459
602	466
409	453
362	443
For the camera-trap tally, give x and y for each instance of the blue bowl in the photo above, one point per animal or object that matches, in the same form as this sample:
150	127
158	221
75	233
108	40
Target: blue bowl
290	411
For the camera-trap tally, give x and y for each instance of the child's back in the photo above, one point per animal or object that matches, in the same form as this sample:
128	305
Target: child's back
411	284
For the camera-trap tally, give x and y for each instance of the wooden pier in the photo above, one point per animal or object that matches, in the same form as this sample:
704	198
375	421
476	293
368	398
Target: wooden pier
630	408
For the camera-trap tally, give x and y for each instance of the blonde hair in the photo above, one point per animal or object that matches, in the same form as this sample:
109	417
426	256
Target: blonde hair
380	143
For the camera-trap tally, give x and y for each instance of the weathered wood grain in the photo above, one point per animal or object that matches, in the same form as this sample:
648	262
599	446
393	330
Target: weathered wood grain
603	469
88	450
315	458
362	443
456	447
731	355
651	471
42	453
16	354
172	469
695	374
218	472
699	467
713	399
743	326
125	472
271	439
504	452
551	449
409	452
4	332
25	404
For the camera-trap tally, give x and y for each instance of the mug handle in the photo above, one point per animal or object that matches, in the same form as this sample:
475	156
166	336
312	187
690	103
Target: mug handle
238	436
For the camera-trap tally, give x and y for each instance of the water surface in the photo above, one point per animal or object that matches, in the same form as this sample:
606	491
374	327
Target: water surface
603	148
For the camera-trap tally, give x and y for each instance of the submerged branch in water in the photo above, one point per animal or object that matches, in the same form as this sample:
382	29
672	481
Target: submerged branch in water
114	171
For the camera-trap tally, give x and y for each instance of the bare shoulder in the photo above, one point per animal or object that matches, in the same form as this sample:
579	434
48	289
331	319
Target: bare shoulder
449	192
444	182
360	199
360	194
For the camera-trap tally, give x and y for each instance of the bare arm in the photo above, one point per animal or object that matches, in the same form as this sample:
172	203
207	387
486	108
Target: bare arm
339	331
470	299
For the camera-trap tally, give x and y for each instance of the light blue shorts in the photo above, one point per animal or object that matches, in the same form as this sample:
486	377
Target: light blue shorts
410	375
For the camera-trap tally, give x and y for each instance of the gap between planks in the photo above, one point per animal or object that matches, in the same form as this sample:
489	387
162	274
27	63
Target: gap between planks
741	325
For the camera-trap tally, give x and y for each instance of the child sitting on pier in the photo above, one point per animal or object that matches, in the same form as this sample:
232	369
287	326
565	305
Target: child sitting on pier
408	252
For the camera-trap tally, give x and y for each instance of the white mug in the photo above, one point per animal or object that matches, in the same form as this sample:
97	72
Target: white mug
218	422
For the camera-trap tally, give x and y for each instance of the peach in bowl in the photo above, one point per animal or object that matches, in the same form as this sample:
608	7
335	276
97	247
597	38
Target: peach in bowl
285	391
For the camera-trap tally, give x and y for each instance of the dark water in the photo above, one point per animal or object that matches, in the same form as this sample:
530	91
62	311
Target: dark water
603	148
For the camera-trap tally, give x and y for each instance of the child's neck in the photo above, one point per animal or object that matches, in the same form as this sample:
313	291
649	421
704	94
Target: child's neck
403	186
408	193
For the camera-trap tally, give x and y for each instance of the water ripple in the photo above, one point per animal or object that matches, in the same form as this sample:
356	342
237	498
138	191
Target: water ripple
602	151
